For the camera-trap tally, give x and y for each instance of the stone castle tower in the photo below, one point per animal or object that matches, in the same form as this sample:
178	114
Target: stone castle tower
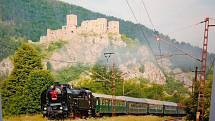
99	26
71	23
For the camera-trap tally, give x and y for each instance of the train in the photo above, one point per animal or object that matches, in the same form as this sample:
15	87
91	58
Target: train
62	101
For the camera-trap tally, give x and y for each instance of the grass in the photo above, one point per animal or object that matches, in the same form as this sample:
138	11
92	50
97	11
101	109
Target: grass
25	118
117	118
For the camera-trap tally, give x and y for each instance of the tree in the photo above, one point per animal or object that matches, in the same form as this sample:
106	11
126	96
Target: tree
194	101
208	92
25	61
101	74
72	73
155	91
133	88
39	80
100	80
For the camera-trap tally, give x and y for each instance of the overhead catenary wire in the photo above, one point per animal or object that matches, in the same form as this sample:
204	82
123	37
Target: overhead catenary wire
150	19
170	55
133	14
179	49
158	38
184	28
144	34
155	32
147	12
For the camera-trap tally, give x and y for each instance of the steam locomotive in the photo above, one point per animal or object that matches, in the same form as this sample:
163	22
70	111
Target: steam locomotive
62	101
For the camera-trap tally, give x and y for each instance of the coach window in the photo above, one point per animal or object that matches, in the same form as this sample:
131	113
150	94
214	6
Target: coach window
97	102
103	101
107	102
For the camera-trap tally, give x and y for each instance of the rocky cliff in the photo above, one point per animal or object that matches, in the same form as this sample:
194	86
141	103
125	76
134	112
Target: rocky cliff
134	62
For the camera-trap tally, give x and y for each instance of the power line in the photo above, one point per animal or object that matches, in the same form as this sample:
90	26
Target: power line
160	38
145	35
170	55
179	49
155	32
130	8
174	31
147	12
131	11
184	27
64	61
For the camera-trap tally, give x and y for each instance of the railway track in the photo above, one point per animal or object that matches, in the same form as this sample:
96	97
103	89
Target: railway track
175	119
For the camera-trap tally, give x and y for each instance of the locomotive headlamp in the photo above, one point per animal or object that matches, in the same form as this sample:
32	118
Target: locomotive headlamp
45	108
61	108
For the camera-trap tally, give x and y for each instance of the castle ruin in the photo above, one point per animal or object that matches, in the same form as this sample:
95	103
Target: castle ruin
99	26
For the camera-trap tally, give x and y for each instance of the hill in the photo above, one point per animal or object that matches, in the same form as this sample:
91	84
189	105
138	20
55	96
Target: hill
29	19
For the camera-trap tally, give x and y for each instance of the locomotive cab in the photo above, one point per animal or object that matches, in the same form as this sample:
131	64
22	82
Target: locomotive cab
54	101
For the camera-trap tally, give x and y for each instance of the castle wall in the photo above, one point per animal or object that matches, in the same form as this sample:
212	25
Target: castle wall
101	26
98	26
113	27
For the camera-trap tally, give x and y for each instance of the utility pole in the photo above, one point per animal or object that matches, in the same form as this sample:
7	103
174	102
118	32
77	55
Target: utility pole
212	108
123	87
1	119
194	88
107	56
201	96
113	81
195	80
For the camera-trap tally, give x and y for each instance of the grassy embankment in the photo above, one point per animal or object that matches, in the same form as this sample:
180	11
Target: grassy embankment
118	118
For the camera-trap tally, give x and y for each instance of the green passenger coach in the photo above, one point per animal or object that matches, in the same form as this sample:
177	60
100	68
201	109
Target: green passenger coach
135	106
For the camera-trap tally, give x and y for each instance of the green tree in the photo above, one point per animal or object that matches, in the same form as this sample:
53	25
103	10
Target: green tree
155	91
133	88
100	80
39	80
193	102
71	73
25	60
101	74
208	92
175	90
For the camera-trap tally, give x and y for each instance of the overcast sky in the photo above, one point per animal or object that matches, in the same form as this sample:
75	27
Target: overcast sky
168	16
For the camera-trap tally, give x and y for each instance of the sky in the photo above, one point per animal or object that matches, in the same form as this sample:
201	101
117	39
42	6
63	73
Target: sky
176	18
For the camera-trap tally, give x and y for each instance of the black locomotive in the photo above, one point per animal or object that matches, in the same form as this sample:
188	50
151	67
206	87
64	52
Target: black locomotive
61	101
